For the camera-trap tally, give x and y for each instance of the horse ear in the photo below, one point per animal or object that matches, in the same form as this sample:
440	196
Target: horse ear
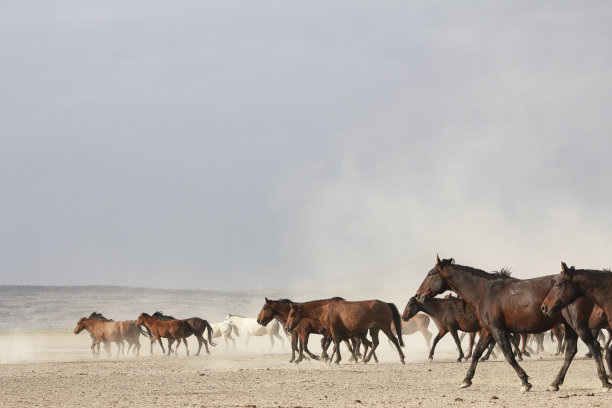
267	301
438	262
565	270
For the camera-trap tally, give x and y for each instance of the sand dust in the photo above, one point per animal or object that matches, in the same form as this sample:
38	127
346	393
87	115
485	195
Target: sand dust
62	374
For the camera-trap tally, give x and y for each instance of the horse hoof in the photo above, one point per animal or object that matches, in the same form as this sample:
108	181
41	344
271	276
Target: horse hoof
605	389
526	354
552	388
465	384
430	358
526	387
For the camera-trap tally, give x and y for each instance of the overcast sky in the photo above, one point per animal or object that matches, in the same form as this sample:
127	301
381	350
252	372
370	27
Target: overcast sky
221	145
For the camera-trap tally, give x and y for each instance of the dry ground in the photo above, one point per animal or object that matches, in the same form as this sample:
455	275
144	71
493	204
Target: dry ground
267	380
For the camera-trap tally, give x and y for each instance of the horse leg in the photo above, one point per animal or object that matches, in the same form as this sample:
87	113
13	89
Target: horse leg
427	334
159	340
351	347
271	341
314	357
515	341
440	334
200	342
503	340
205	342
178	343
337	351
526	350
571	347
453	333
186	345
374	336
325	341
483	342
152	341
489	352
294	346
595	349
470	346
394	340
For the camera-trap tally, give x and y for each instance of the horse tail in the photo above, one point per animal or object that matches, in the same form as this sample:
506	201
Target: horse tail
235	329
145	331
398	322
210	330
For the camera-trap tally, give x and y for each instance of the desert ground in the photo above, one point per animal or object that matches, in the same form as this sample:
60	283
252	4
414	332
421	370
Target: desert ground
55	369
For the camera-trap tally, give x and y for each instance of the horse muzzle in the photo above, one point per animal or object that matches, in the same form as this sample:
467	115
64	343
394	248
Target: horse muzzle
549	311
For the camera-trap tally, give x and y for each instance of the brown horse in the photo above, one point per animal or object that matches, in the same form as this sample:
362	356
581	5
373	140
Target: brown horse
175	329
344	319
104	331
512	305
574	284
450	314
197	325
279	309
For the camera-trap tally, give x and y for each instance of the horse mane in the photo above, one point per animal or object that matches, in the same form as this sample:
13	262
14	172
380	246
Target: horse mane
504	273
607	270
161	316
98	316
282	300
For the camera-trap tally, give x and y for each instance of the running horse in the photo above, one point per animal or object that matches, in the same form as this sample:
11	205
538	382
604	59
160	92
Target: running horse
344	319
574	284
279	309
451	314
512	305
103	330
175	329
197	325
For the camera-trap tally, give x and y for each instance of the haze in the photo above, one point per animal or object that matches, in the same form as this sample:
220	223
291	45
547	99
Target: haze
241	145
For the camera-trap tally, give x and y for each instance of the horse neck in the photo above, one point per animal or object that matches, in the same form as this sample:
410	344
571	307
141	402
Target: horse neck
281	311
594	284
468	284
311	311
433	307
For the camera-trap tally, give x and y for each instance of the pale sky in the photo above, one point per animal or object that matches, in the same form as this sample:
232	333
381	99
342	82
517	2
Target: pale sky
222	145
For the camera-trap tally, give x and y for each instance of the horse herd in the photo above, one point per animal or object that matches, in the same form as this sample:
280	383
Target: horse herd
501	309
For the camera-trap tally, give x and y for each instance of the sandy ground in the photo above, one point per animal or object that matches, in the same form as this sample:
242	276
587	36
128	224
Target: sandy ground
62	374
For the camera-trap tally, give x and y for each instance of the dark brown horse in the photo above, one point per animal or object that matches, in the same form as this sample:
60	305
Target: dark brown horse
574	284
344	319
512	305
279	309
197	325
450	314
175	329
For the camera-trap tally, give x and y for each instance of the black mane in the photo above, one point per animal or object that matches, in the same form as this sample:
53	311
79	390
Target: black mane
161	316
98	316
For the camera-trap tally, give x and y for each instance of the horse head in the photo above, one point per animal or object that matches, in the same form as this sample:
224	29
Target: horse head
562	293
266	314
80	325
141	318
434	282
412	308
293	318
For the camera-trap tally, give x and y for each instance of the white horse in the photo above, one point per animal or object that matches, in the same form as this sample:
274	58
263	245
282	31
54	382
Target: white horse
224	329
250	326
